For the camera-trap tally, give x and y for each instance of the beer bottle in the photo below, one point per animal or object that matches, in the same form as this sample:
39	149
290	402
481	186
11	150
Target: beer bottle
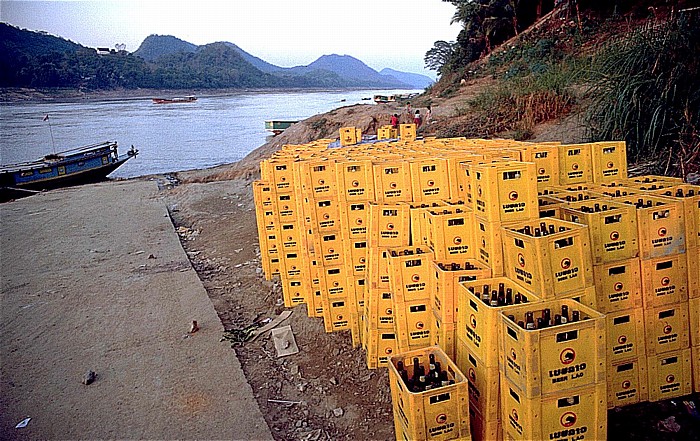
485	295
494	298
546	315
444	381
501	289
527	230
431	363
529	320
557	319
537	232
565	313
575	316
540	323
521	324
509	296
511	317
517	298
552	230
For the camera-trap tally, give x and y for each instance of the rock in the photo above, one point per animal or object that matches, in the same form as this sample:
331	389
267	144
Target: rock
334	381
338	412
89	377
298	423
294	369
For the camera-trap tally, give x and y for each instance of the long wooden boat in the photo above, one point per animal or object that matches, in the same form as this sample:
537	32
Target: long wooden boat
81	165
278	126
184	99
379	99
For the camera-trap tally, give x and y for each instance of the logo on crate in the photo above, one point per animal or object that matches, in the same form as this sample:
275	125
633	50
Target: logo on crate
514	414
615	235
472	321
415	277
457	240
566	263
513	355
574	166
472	374
662	231
521	260
513	195
626	384
668	329
419	325
611	164
390	226
431	183
567	356
670	378
441	419
355	183
619	286
542	171
568	419
622	339
665	281
388	351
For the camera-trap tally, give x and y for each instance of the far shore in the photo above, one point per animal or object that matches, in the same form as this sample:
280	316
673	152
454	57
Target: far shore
17	95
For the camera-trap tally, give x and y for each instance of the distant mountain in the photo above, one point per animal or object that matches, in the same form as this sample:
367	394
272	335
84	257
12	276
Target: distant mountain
263	65
416	81
357	72
156	46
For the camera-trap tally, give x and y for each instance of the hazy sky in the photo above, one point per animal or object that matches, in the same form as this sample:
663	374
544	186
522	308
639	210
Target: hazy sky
382	33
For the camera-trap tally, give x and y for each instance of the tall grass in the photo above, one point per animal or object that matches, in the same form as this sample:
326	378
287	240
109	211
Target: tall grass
645	89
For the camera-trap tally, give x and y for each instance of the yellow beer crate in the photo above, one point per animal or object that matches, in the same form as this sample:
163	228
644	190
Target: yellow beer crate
407	132
315	300
489	244
355	255
429	179
379	308
694	317
337	314
325	215
483	382
612	228
484	430
410	272
693	266
378	267
664	280
459	180
618	285
445	284
478	323
329	248
318	177
392	181
670	374
549	206
350	136
450	231
546	160
419	221
544	361
286	207
263	194
355	180
436	414
443	334
356	286
354	218
504	191
653	179
295	290
609	161
465	183
334	282
628	382
282	176
625	335
291	236
413	322
389	225
381	347
690	196
661	229
579	413
667	328
575	164
551	265
292	264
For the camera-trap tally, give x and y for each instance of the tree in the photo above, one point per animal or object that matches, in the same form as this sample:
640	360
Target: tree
439	55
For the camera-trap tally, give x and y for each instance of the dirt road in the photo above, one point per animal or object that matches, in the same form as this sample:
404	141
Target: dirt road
94	278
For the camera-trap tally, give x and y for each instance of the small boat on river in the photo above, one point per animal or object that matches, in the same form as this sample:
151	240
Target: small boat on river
184	99
278	126
381	99
91	163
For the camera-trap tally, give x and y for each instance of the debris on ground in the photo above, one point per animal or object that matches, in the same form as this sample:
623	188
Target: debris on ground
89	377
285	344
669	425
23	423
195	327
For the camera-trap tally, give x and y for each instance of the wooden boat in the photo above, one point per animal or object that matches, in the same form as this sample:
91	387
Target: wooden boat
184	99
384	98
81	165
278	126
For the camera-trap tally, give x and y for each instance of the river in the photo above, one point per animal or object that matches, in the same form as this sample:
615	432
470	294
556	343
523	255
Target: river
211	131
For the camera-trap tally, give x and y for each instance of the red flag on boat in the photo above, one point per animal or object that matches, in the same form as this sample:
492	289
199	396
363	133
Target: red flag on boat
46	118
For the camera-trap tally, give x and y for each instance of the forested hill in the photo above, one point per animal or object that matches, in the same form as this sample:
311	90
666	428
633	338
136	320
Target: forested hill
39	60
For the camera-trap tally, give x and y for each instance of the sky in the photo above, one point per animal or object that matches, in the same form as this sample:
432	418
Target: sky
388	33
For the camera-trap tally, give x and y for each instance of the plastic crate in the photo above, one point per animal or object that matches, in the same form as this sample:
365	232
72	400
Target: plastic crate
664	280
379	308
355	255
356	285
407	132
459	180
693	267
443	334
349	136
478	323
549	206
450	231
436	414
378	267
670	375
413	322
544	361
354	218
667	328
330	250
573	414
575	164
334	282
410	273
286	207
318	177
609	161
355	180
445	284
694	317
691	207
661	229
618	285
625	335
429	179
650	179
337	314
465	183
282	174
628	382
484	430
294	290
419	228
546	159
389	225
315	300
550	265
488	244
484	383
504	191
381	347
612	228
291	264
392	181
325	215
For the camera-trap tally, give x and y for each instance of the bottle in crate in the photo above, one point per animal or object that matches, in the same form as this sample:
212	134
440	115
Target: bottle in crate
549	256
439	411
544	360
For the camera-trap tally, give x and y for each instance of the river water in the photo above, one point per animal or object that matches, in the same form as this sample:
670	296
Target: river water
170	137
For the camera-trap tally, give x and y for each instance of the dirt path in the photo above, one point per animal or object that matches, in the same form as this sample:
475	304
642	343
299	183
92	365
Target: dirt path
95	278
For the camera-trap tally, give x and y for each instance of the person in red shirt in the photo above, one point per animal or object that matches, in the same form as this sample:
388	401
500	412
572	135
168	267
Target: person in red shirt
395	121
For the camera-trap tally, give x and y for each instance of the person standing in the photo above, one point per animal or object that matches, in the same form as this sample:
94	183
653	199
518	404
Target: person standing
428	115
395	121
417	119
